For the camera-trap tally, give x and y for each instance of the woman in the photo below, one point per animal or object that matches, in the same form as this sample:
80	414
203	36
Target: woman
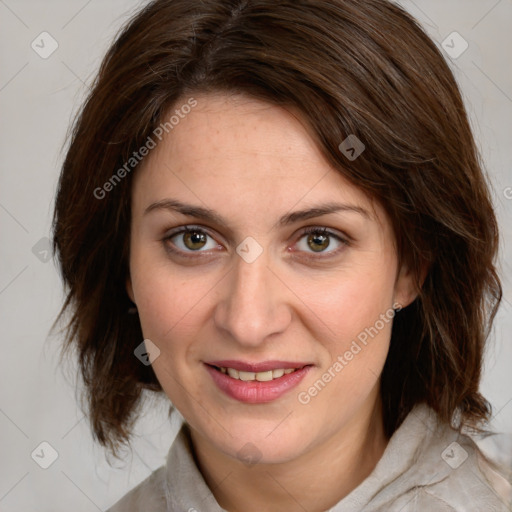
274	213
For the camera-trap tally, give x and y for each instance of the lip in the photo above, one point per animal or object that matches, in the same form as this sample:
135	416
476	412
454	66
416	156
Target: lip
256	392
257	367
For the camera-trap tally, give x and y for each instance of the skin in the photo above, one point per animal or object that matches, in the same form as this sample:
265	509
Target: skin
252	162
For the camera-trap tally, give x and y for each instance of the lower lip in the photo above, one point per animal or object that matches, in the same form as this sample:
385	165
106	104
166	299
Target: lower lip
256	392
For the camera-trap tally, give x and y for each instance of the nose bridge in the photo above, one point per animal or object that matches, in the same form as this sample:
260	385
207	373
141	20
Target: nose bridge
251	309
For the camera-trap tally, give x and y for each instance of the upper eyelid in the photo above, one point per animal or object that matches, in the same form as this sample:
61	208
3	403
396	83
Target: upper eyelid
188	227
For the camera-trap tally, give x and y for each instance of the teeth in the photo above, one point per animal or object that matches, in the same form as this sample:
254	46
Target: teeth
265	376
233	373
259	376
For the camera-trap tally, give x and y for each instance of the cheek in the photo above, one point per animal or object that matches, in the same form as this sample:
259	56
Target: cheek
172	310
168	302
348	302
169	308
353	323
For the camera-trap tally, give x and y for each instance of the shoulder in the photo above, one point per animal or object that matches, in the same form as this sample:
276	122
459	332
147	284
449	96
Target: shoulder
148	495
430	466
472	482
452	474
441	500
177	485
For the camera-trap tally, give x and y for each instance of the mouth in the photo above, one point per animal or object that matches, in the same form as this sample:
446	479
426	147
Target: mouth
255	383
262	376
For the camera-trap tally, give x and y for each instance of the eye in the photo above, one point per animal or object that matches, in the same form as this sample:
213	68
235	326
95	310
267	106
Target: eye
317	240
192	239
189	239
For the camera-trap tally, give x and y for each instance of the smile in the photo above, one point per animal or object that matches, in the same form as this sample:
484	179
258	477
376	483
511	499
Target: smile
259	376
255	387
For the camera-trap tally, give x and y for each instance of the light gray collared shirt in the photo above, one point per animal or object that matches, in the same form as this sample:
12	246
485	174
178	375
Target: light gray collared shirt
426	466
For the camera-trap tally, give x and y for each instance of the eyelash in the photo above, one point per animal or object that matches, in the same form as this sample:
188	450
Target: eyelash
307	231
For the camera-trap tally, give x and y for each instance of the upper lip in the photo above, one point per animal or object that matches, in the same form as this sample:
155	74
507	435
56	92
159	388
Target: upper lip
257	367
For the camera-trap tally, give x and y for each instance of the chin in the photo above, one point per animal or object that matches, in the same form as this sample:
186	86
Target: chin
262	445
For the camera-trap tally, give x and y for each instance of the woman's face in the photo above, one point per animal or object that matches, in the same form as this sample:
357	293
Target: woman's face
247	288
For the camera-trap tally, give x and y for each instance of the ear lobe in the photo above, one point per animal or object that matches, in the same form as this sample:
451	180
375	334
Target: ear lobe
129	289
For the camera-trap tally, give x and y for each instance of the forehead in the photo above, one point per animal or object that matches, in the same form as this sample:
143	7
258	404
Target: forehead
223	128
238	151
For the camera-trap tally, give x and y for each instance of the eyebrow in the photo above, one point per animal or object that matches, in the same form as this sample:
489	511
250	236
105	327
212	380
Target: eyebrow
290	218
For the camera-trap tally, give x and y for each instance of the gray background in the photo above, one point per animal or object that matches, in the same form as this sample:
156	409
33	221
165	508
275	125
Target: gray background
37	98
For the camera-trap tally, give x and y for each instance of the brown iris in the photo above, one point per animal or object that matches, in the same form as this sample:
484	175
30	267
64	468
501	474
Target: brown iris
320	242
194	239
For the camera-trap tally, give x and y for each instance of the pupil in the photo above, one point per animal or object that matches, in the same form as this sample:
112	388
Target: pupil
196	240
319	239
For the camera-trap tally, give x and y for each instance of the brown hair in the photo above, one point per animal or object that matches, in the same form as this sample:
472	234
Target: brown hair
349	67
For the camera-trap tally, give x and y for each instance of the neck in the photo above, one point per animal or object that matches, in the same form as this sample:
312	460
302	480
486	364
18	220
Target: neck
315	480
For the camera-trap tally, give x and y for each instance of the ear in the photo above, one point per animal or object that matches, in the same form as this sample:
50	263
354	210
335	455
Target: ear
129	289
406	286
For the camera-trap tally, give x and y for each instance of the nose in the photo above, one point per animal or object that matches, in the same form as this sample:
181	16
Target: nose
253	304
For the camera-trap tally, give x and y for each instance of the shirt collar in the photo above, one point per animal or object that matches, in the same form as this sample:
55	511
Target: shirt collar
186	487
187	490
